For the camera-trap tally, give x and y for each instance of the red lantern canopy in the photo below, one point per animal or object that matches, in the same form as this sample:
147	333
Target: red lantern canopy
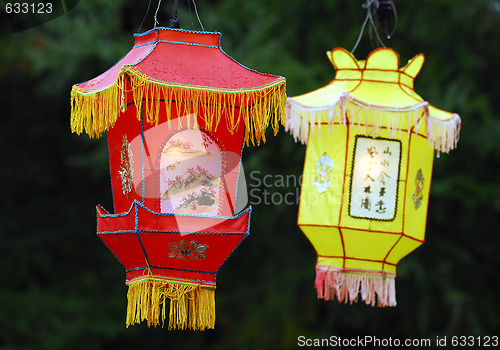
178	112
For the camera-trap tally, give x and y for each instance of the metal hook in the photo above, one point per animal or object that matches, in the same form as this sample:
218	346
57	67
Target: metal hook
174	21
383	11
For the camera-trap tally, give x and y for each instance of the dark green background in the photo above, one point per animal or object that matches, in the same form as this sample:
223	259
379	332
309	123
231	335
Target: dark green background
62	289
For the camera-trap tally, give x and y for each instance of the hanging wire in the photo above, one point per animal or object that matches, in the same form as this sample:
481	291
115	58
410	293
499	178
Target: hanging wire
381	8
191	14
147	11
156	14
196	12
360	33
174	22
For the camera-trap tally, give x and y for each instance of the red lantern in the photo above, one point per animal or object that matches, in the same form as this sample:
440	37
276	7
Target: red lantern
178	112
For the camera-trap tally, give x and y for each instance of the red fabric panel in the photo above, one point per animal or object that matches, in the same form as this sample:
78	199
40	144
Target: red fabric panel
127	124
220	246
126	247
149	221
201	38
108	78
191	60
150	241
199	65
108	222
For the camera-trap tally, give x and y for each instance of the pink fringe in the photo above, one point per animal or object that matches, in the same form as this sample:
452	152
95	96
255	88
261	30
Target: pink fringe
380	290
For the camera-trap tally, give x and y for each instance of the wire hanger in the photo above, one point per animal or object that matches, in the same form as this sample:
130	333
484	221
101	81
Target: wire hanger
174	22
382	10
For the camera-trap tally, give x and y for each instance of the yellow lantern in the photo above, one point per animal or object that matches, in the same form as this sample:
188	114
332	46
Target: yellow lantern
365	190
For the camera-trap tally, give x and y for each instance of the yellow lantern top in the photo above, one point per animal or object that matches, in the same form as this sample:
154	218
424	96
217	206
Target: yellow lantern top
375	93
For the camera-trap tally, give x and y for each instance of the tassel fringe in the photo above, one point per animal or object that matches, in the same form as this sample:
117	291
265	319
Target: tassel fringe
191	306
369	120
443	135
374	289
95	112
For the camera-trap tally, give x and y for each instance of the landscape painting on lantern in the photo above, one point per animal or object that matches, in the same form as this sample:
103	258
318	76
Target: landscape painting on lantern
190	169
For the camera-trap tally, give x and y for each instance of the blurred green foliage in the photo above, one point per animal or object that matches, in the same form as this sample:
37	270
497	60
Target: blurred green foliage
62	289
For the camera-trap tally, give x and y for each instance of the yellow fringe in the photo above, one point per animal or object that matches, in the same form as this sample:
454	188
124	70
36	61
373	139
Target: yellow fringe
95	112
191	306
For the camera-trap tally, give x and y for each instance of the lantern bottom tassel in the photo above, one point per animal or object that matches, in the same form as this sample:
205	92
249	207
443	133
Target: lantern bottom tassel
377	290
191	306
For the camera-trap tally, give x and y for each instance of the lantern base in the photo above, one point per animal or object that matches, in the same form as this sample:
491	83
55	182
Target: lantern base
192	305
347	285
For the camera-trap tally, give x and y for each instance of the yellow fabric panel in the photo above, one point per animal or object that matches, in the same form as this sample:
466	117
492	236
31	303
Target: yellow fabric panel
404	247
327	95
383	60
414	65
381	65
374	266
421	158
326	240
383	94
347	74
381	76
327	261
368	245
346	220
342	59
323	208
365	250
440	114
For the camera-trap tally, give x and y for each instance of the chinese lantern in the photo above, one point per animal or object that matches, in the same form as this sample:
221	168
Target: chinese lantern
177	111
367	173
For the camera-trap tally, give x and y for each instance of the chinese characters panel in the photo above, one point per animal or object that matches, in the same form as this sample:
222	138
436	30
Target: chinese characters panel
375	178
